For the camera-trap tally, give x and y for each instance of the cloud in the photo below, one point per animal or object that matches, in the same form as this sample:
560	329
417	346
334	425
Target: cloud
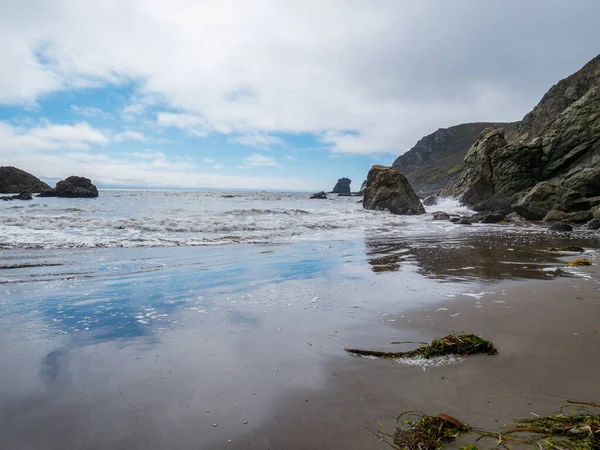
130	135
257	160
49	136
89	111
258	140
55	151
194	125
365	77
208	160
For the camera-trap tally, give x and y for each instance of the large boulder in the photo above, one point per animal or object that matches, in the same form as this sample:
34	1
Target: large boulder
342	186
546	196
13	180
73	187
389	189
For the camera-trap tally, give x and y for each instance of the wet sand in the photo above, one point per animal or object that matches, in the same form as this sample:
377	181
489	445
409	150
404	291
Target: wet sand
548	335
242	347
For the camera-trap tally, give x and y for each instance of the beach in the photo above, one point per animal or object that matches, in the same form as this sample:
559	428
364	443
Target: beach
241	344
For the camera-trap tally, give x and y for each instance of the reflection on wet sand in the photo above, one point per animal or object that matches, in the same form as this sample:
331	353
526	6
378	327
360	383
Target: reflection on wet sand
478	257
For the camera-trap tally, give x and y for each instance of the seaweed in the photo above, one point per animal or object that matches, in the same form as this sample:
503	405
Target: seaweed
580	262
426	433
577	431
454	344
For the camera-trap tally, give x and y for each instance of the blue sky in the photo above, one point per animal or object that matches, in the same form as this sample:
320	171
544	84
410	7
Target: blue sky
280	95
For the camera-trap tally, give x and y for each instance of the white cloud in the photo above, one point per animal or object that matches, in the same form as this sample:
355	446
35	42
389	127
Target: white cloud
130	135
48	136
56	151
208	160
194	125
257	160
259	140
90	111
327	68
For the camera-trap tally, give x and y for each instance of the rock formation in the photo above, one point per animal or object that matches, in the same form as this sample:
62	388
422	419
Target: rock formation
73	187
319	195
13	180
436	161
550	161
389	189
342	186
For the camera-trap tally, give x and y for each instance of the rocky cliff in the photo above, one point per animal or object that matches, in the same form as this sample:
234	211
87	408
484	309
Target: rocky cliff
557	144
13	180
436	161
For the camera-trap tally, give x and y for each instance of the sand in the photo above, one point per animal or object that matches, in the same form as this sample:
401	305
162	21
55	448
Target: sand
239	362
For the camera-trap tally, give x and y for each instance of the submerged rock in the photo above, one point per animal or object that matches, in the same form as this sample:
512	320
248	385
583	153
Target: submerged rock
431	201
389	189
441	215
14	180
73	187
342	186
319	195
494	217
561	227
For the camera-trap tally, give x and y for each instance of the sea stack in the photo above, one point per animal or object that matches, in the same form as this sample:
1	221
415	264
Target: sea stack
389	189
73	187
342	186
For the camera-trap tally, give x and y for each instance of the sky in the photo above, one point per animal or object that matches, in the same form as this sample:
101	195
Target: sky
266	94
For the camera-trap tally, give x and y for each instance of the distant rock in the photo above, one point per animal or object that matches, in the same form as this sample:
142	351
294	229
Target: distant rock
344	195
13	180
389	189
464	221
431	201
25	195
342	186
561	227
73	187
319	195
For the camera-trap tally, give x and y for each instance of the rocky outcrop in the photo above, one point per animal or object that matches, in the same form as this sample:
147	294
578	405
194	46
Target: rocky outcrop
546	196
550	161
25	195
319	196
389	189
342	186
13	180
436	161
73	187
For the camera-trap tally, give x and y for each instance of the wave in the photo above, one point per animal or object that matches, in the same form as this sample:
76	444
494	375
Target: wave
161	222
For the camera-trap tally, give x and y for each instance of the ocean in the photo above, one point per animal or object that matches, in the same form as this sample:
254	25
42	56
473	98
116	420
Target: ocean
172	319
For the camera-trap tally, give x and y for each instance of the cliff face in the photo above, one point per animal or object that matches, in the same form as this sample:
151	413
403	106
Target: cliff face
436	161
13	180
558	142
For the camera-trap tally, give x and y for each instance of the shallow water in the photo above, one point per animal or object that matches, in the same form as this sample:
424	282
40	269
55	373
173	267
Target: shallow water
151	347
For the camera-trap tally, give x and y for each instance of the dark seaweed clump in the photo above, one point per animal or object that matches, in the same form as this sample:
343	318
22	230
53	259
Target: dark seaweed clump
454	344
427	433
